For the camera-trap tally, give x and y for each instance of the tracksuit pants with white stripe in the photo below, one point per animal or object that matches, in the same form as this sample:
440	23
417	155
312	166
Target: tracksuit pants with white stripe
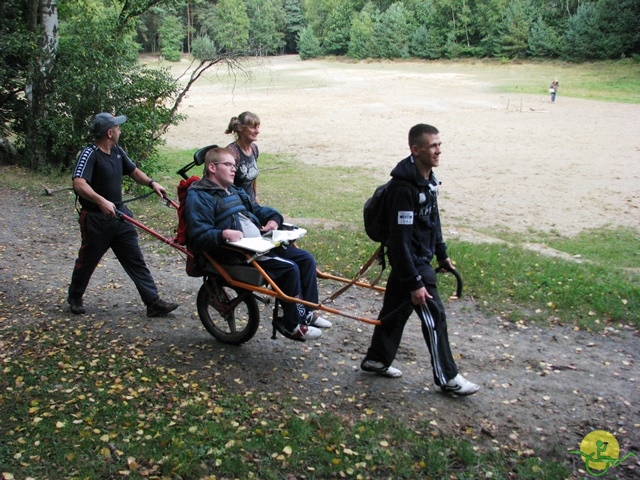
387	336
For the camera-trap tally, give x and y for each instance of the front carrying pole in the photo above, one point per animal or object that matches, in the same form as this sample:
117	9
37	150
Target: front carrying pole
141	226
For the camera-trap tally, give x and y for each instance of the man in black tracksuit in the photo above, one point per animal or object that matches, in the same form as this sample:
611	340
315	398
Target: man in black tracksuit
415	238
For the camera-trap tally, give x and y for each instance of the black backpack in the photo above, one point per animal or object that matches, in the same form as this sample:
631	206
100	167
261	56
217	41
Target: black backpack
376	221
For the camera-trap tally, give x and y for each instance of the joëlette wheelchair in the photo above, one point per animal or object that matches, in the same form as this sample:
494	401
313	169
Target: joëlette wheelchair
227	301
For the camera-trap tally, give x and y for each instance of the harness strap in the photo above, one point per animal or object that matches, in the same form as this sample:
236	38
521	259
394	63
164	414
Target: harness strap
230	205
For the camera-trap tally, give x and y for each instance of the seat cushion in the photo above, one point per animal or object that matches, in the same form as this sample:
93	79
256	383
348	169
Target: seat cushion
241	273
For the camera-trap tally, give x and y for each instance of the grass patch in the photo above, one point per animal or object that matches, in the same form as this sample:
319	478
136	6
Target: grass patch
335	188
618	246
75	406
511	281
18	178
518	283
606	81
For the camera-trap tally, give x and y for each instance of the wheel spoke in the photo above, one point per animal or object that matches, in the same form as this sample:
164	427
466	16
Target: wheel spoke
231	322
230	314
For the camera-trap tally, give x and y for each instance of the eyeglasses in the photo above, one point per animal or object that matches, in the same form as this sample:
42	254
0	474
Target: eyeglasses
230	165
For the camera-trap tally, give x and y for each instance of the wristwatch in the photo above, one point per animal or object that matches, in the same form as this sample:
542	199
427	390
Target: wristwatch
151	182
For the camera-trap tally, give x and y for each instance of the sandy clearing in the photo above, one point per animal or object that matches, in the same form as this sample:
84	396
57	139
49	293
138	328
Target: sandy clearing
510	160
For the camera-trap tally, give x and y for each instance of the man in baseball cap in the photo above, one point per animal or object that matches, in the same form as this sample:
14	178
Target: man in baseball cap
97	180
104	121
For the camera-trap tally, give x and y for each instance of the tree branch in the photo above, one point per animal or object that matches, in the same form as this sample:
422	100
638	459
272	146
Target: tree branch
231	60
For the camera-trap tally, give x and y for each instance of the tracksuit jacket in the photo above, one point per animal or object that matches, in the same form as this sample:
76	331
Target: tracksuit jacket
415	238
414	223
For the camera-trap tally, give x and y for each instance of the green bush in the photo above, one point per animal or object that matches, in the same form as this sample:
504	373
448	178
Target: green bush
602	30
543	42
203	48
426	43
360	42
337	31
98	71
171	54
308	44
231	25
171	37
392	32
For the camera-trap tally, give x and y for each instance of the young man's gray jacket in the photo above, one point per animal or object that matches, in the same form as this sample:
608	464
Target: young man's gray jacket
209	210
415	235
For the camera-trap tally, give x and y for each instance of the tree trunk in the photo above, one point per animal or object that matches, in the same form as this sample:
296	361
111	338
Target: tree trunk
43	16
189	26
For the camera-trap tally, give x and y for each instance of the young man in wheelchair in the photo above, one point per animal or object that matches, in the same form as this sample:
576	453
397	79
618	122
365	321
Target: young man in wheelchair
216	212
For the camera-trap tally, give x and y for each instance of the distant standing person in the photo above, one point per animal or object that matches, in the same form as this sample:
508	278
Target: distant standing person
553	89
97	180
415	238
246	128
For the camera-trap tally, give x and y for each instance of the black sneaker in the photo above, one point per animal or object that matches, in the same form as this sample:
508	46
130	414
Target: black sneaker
75	305
380	369
159	308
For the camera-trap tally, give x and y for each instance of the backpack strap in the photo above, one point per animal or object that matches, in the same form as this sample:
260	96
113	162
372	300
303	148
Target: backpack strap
412	186
382	251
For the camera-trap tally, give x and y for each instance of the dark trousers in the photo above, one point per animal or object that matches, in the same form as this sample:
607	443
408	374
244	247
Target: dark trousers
396	310
294	272
101	233
307	267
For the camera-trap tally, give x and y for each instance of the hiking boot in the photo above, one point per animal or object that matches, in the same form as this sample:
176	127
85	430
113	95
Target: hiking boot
460	386
315	320
159	308
301	333
380	369
75	305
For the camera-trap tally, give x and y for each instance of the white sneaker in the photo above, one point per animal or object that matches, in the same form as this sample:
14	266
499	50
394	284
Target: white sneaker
460	386
300	332
380	369
306	332
314	319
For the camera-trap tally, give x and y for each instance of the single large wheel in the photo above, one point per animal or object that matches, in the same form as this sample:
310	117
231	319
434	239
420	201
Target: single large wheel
228	313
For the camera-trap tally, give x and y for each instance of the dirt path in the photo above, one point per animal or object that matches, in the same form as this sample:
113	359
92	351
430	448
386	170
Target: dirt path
543	389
